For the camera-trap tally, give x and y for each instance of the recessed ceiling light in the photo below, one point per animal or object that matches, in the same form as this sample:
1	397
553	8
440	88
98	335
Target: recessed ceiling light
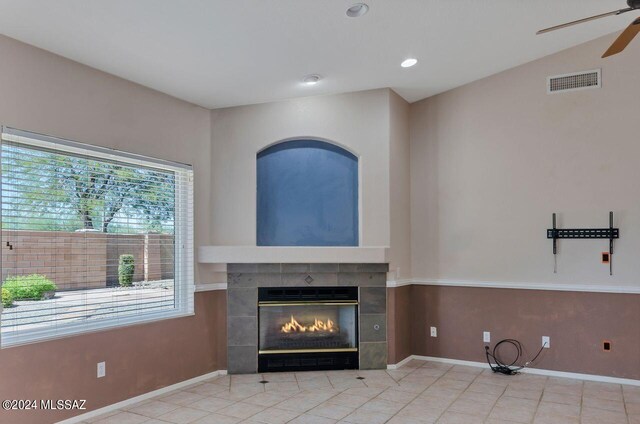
408	63
311	79
357	10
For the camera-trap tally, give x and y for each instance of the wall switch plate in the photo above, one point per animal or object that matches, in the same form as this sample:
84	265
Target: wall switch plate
434	332
546	342
486	337
102	369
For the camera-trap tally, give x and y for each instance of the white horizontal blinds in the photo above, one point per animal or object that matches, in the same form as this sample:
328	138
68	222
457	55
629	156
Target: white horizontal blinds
112	232
184	241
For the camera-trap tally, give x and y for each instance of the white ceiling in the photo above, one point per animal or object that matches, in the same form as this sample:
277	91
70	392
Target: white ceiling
218	53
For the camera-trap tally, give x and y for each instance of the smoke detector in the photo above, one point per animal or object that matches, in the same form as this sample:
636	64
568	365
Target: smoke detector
311	79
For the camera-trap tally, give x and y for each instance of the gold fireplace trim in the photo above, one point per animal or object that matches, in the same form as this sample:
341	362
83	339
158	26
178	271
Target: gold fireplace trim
346	349
311	302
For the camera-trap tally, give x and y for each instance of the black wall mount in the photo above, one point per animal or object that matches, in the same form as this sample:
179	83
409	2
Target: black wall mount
583	233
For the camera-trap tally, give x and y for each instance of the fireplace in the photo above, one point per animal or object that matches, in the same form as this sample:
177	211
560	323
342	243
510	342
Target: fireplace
264	299
307	328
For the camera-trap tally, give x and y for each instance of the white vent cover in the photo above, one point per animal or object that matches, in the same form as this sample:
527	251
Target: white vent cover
574	81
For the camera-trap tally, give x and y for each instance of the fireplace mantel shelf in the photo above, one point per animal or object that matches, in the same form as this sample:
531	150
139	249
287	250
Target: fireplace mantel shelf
260	254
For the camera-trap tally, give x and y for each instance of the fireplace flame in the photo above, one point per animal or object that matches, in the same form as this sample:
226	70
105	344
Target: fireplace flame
293	326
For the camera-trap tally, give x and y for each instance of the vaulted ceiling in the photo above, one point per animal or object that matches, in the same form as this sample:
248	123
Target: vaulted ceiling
218	53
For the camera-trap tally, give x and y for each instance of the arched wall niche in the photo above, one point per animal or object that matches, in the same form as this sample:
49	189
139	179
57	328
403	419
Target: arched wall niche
307	194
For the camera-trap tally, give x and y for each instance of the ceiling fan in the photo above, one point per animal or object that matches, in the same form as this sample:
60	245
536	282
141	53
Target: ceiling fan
623	40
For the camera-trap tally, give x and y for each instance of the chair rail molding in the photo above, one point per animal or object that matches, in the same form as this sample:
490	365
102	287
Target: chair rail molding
577	287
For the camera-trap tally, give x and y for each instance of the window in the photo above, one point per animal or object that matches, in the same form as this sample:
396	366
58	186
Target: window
92	238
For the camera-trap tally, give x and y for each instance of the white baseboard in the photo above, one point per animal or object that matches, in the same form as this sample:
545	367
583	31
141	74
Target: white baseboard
399	364
128	402
167	389
537	371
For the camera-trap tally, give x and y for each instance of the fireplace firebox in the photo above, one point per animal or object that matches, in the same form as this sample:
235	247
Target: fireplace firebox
307	328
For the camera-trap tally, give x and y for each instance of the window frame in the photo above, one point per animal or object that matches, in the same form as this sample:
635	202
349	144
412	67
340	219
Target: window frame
184	282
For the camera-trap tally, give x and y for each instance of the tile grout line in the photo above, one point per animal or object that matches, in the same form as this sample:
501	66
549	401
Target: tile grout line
436	380
496	402
326	400
386	388
234	402
533	419
398	412
452	402
582	403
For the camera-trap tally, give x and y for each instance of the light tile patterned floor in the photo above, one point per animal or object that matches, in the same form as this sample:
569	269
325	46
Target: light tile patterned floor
419	392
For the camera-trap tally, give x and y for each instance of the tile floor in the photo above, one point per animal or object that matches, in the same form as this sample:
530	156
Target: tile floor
419	392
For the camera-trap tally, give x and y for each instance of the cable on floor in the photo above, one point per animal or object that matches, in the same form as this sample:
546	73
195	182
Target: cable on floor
508	368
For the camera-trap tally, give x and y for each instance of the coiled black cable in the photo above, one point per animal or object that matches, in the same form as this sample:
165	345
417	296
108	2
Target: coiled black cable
503	367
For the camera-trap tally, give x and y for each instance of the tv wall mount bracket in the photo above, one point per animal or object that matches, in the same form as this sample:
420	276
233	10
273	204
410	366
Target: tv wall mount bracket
583	233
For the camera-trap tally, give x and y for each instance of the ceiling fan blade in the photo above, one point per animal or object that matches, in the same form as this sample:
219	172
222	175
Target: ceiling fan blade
579	21
623	39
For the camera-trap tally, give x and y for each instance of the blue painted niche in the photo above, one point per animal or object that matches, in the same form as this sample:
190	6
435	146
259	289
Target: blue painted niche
307	195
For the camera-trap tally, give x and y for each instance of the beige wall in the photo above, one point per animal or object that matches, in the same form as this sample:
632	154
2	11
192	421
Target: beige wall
45	93
372	124
492	160
356	121
399	189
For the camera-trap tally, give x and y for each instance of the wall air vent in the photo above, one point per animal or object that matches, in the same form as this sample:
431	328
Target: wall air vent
574	81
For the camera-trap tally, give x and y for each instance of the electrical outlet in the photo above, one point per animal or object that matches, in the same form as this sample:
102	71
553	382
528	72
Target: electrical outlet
486	337
546	342
434	332
102	369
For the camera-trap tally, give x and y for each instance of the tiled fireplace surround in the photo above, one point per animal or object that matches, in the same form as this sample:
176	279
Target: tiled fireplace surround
244	279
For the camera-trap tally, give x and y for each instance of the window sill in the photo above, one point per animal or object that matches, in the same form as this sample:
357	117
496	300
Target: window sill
72	330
